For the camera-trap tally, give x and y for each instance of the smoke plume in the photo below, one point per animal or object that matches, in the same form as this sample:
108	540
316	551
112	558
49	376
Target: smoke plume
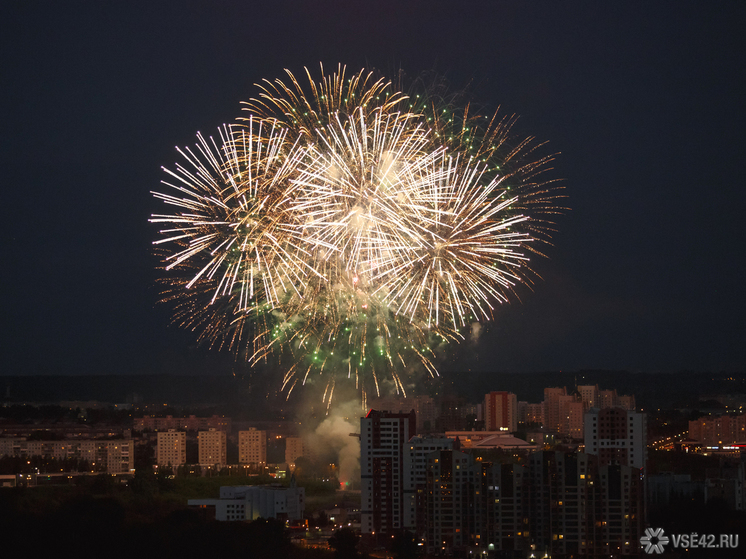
332	436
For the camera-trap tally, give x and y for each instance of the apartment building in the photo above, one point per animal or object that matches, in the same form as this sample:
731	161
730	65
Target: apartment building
171	448
252	446
616	435
112	456
383	436
501	412
212	447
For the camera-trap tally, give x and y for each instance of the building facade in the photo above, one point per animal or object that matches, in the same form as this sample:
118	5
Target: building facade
382	441
252	446
535	413
112	456
557	504
294	449
249	502
450	515
607	399
473	507
549	503
212	447
414	475
191	423
616	435
577	507
170	449
551	404
500	412
718	430
574	426
589	395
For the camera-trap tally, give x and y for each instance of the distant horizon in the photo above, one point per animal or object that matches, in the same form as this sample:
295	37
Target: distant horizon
255	397
442	376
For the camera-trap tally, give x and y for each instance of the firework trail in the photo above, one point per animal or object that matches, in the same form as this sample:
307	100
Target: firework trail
343	228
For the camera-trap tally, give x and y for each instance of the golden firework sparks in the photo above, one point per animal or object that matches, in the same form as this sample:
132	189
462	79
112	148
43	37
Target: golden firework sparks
349	229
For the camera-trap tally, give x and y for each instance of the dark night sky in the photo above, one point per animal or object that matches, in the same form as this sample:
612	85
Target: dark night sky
643	100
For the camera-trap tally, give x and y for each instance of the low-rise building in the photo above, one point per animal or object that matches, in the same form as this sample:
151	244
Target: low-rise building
249	502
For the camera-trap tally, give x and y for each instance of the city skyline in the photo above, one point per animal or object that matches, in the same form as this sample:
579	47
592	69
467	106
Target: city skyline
580	473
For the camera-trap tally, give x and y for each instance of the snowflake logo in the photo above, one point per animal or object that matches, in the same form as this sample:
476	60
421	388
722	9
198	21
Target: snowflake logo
654	540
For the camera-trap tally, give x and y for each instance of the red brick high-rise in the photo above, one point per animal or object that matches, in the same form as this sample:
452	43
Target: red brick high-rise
501	412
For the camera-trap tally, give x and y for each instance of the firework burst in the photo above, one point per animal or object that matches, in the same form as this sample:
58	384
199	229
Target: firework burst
346	229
